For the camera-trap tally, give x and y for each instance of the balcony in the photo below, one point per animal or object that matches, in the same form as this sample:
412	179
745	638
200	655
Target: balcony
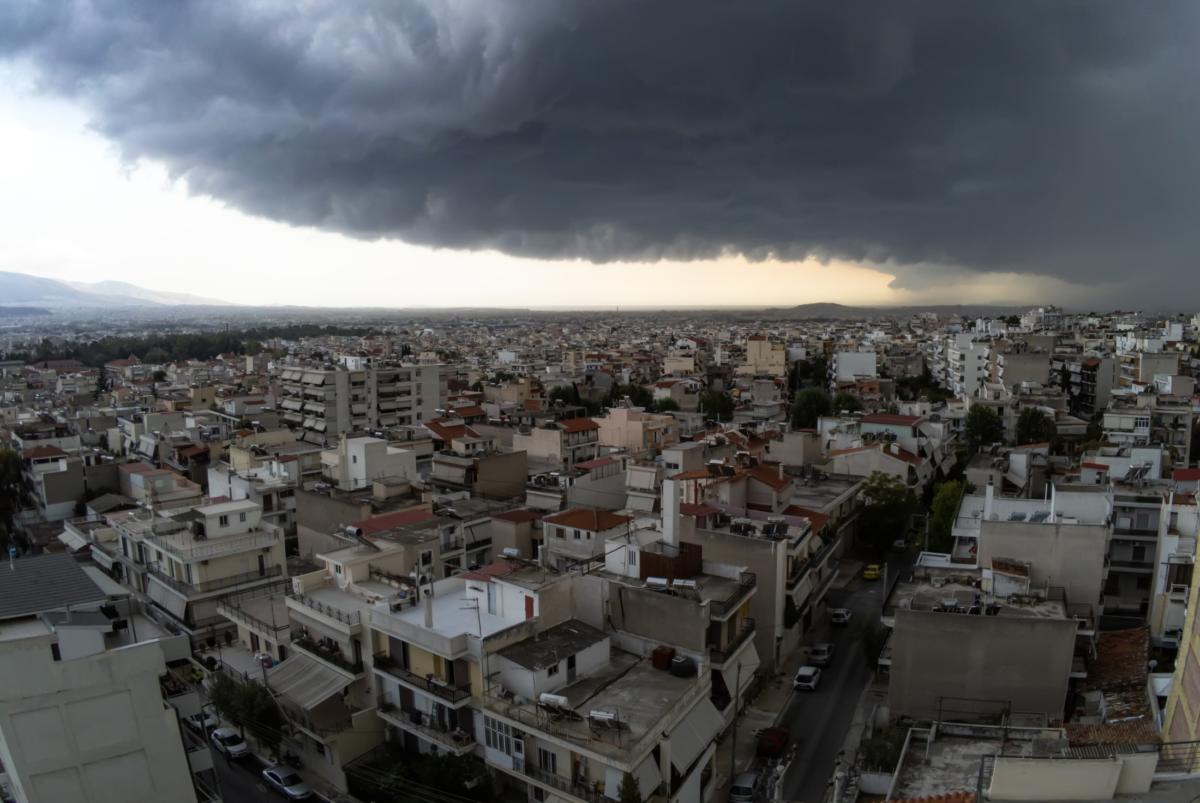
1144	565
457	740
1178	593
352	619
446	646
217	584
719	656
720	609
579	791
329	653
430	685
188	548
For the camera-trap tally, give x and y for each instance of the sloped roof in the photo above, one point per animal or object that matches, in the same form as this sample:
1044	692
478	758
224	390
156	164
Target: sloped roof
45	583
582	518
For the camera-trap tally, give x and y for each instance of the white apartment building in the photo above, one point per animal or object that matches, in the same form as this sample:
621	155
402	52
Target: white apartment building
967	365
358	462
847	366
83	713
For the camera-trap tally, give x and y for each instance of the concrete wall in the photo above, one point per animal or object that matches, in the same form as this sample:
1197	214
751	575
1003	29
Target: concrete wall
1024	661
658	617
1068	555
502	475
1072	779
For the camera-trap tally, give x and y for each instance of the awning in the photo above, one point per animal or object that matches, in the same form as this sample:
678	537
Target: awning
72	540
693	734
642	503
166	599
646	773
748	661
101	557
305	682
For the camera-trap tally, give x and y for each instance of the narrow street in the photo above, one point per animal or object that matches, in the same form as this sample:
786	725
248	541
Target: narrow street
819	720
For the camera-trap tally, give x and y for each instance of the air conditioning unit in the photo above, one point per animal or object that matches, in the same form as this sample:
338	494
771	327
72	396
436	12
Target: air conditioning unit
553	700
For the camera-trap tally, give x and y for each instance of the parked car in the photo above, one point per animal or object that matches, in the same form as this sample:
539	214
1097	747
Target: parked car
773	742
285	781
807	678
840	616
900	545
742	789
204	721
227	741
872	571
821	654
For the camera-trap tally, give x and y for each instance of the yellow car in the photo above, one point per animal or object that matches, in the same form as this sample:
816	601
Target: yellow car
872	571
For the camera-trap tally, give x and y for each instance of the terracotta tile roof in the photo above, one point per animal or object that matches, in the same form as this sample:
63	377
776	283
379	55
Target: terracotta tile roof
697	474
891	419
769	475
389	521
1186	475
578	424
1096	466
519	515
817	519
582	518
1140	731
599	462
471	411
697	511
137	468
39	452
448	432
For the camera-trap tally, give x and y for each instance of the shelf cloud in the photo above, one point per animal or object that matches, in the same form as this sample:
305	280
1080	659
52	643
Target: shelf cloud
932	137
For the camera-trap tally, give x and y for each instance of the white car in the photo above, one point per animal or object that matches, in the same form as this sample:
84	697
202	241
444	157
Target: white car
286	782
230	743
840	616
821	654
807	678
205	721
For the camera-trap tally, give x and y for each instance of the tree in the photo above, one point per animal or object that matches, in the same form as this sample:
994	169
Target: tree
810	405
1012	320
638	395
846	402
942	514
717	404
160	375
983	426
887	506
249	706
10	492
1034	426
813	372
666	405
629	792
567	394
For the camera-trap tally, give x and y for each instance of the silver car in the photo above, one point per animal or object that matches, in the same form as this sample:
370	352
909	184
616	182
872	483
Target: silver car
285	781
807	678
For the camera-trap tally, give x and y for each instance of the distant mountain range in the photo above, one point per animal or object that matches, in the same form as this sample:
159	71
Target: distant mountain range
829	311
21	289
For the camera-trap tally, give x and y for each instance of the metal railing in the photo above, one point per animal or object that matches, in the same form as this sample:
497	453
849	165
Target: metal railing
577	790
238	613
205	586
453	694
350	618
329	654
746	583
455	737
221	545
720	656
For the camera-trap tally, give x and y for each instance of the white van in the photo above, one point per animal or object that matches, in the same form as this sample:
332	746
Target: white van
742	790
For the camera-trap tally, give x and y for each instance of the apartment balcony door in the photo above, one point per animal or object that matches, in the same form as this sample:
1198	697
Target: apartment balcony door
571	669
262	565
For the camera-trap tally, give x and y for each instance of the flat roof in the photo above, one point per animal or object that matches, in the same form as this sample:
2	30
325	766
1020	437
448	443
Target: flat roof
551	646
957	594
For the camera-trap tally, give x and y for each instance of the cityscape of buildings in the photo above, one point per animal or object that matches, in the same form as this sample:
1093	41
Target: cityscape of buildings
599	557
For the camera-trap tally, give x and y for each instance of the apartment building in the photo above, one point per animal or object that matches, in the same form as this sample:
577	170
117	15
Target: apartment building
848	366
636	431
333	401
357	462
272	486
89	709
188	561
764	357
157	488
967	362
579	535
1090	382
560	444
1150	421
1178	530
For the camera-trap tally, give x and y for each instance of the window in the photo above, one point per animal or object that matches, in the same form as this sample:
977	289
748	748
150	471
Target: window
576	533
427	557
354	458
491	598
242	517
223	521
631	557
551	671
548	760
337	568
497	735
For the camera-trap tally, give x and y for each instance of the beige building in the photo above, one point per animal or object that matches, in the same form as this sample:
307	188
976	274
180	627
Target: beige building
764	358
637	431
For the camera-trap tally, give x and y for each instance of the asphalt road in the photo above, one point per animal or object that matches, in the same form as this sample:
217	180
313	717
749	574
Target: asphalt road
819	720
240	781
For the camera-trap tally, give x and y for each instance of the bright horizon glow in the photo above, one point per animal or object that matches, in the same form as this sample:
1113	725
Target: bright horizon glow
73	211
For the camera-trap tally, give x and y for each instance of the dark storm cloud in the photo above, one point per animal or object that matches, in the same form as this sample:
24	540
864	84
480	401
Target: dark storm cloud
1046	137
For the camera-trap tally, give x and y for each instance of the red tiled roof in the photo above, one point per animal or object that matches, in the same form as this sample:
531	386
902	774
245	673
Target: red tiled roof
697	474
582	518
193	451
1186	475
519	515
697	511
137	468
817	519
389	521
769	475
890	418
599	462
578	424
472	411
1097	466
38	452
448	432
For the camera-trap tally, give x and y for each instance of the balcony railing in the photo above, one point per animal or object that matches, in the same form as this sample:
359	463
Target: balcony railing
444	691
720	656
746	583
453	738
207	586
240	614
215	547
350	618
577	790
1144	564
327	653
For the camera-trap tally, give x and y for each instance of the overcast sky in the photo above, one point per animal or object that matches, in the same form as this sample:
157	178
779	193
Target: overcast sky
573	153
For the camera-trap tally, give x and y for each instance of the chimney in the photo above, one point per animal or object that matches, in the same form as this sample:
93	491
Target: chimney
428	603
670	512
988	497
